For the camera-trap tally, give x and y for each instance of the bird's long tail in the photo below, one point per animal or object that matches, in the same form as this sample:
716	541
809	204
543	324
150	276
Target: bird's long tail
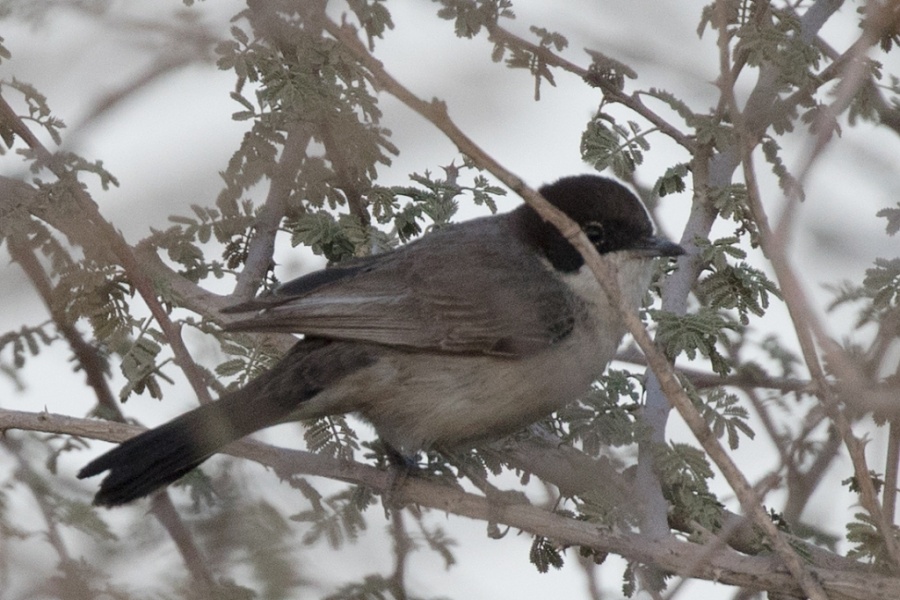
162	455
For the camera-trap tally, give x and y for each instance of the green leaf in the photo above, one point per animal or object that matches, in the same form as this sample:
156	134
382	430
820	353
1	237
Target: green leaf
340	519
550	38
788	183
545	554
892	215
606	144
373	16
470	16
882	282
693	333
725	416
740	287
672	181
331	436
140	368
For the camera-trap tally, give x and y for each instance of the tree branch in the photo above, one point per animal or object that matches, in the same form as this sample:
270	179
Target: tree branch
94	367
437	114
262	243
686	559
500	35
104	235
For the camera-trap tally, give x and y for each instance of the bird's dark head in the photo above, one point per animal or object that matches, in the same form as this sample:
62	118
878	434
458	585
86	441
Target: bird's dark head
610	215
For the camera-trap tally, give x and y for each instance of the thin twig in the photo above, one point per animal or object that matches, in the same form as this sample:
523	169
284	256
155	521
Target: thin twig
73	582
348	178
402	547
107	236
262	243
748	497
164	510
742	380
802	483
498	34
94	368
90	361
588	566
808	330
436	113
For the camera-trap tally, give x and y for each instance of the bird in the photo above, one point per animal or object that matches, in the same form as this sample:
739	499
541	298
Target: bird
472	332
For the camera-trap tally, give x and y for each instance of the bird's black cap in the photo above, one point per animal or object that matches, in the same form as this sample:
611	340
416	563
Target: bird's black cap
611	216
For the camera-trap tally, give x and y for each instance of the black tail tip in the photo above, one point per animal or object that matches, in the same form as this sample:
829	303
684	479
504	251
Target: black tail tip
89	470
111	500
107	496
117	490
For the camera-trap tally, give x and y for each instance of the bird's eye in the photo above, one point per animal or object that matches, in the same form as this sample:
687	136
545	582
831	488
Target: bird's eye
594	232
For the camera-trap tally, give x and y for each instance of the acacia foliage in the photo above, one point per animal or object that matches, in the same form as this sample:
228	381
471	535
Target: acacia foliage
310	95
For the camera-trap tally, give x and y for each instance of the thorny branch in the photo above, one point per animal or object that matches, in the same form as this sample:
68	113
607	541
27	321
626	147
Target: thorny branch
498	34
106	236
687	559
808	328
91	362
437	114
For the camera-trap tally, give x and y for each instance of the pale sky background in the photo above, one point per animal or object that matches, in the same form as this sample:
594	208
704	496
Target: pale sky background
167	143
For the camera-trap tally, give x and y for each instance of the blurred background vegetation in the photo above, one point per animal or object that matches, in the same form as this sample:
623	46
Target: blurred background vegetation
164	160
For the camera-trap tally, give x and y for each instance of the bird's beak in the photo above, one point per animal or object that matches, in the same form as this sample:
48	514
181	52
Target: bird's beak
656	246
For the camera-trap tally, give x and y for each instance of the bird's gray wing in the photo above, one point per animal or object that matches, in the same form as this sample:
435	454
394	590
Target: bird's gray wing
513	307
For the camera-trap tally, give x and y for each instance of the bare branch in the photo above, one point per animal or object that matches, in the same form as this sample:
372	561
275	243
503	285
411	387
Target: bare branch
262	244
106	236
498	34
686	559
